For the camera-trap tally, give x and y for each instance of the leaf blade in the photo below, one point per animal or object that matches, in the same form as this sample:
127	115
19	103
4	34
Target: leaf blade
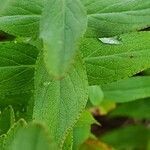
57	100
16	73
129	109
107	63
34	137
114	17
62	26
82	129
127	90
20	18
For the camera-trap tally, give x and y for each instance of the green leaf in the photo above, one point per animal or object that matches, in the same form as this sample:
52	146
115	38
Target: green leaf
114	17
128	138
62	25
106	63
59	103
96	95
82	129
128	89
68	143
20	17
7	119
137	109
21	136
11	134
34	137
2	137
16	73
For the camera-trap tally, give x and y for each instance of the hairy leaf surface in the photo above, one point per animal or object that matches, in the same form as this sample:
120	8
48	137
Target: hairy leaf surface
59	103
62	25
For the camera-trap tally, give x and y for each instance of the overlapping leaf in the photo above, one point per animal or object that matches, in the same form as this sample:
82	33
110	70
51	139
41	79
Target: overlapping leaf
106	63
33	137
59	103
26	137
137	109
62	25
95	95
20	17
81	131
11	134
16	72
127	89
114	17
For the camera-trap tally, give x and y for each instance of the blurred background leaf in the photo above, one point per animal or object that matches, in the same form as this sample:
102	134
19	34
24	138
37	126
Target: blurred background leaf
128	138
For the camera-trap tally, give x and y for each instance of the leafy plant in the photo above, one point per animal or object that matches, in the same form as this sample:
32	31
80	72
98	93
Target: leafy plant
60	60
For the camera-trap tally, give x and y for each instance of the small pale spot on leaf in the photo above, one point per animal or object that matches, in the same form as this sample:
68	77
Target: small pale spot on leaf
111	40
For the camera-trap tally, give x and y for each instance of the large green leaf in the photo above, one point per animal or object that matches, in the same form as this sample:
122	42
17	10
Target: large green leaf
113	17
20	17
7	119
105	18
16	72
34	137
106	62
128	89
62	25
59	103
138	109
